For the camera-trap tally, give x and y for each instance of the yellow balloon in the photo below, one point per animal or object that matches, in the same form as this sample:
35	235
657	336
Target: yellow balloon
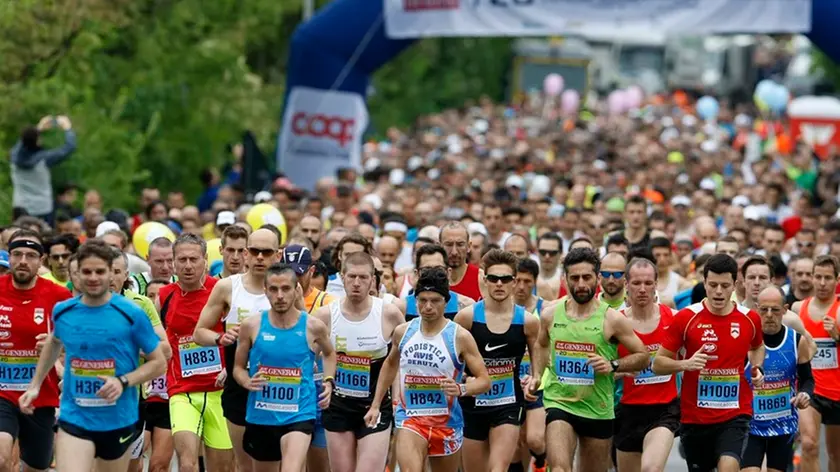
214	251
263	214
148	232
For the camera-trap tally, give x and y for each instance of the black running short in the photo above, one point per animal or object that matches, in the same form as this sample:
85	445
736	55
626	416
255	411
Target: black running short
262	442
235	402
778	449
477	423
34	433
829	410
109	445
633	422
340	419
705	444
157	416
584	427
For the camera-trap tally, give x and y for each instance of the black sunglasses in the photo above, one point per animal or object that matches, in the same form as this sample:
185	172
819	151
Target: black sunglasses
548	253
494	279
256	251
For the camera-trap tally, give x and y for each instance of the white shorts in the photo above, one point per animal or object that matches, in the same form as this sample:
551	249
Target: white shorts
136	447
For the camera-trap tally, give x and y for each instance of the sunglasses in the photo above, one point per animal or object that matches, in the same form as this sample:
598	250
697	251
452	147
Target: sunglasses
806	244
494	279
266	252
616	274
548	253
58	257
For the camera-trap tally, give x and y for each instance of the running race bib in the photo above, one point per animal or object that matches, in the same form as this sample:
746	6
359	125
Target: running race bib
501	383
647	377
718	389
772	401
157	388
352	376
826	356
196	359
570	363
85	374
17	367
525	365
281	391
423	396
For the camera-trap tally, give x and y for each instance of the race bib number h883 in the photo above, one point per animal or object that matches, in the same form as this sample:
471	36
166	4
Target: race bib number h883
196	359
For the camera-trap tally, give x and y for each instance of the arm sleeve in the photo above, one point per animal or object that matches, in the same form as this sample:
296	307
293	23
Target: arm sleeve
53	157
806	378
143	334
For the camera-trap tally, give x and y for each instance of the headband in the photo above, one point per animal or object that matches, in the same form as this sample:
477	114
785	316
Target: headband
26	244
433	288
395	226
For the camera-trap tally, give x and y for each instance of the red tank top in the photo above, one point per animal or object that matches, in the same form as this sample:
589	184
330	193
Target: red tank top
468	286
824	364
648	388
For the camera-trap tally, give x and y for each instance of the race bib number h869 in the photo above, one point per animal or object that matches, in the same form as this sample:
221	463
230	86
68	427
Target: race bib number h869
772	401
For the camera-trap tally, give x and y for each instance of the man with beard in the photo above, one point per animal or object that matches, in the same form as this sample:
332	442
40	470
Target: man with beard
59	250
464	277
582	334
103	336
234	244
160	263
232	301
350	244
310	227
801	280
532	442
361	328
549	249
26	308
819	314
612	280
649	412
502	331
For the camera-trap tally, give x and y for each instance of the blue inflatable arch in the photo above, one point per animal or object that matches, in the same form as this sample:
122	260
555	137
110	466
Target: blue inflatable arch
341	46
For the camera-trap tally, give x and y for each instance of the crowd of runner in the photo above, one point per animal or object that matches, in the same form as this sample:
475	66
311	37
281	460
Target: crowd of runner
495	293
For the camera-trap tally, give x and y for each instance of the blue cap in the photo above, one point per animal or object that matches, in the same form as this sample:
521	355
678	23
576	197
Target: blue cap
4	259
299	257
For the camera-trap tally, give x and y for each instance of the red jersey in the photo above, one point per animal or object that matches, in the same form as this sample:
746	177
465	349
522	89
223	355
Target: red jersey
25	314
468	286
718	392
193	368
824	364
647	388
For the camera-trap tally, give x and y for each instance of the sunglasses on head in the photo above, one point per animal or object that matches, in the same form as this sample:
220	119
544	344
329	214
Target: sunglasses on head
548	252
614	274
266	252
494	279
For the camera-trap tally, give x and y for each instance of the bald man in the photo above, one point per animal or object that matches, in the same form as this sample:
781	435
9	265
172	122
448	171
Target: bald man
518	245
233	300
388	249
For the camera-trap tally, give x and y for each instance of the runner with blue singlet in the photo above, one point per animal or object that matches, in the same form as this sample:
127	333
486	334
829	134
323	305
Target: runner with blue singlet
788	386
432	255
275	362
103	335
532	437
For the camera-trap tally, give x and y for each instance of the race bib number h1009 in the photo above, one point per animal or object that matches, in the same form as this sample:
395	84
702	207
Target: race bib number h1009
718	389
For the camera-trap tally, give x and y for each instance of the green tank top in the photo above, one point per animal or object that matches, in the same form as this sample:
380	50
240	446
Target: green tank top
572	385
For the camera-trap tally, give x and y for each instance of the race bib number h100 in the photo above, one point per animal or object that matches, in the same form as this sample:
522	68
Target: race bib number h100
281	391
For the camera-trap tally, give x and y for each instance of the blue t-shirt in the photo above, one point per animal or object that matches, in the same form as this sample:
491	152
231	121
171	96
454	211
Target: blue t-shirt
100	341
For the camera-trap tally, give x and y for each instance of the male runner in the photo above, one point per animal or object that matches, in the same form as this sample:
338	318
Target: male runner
532	439
349	244
613	266
103	336
160	263
237	298
196	373
669	283
464	278
234	244
819	314
26	307
502	331
788	386
361	328
432	255
549	248
58	251
716	400
649	412
300	259
430	354
275	360
582	334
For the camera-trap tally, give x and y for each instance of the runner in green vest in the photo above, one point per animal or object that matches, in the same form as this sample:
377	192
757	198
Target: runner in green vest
579	336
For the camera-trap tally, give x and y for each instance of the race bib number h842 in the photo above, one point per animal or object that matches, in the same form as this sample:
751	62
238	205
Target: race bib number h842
423	396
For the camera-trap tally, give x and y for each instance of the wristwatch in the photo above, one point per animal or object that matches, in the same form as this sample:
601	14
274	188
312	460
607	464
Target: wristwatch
123	381
219	338
462	390
329	379
614	365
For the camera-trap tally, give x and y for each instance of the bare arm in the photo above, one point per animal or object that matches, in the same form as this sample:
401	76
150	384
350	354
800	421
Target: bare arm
480	380
321	339
756	356
465	318
392	317
389	369
794	322
243	351
532	334
401	305
665	362
540	355
46	361
622	329
464	301
211	314
796	306
164	343
155	366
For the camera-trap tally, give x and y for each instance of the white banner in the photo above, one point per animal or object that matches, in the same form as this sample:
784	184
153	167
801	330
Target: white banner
593	18
322	132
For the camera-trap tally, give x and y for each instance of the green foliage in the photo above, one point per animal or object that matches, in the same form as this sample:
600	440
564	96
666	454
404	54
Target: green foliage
156	88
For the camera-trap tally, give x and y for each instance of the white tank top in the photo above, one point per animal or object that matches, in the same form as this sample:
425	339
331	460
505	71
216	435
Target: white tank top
358	344
673	286
406	286
388	298
244	304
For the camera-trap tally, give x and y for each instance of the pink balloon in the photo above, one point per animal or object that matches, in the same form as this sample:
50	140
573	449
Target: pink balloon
616	102
553	84
569	101
633	97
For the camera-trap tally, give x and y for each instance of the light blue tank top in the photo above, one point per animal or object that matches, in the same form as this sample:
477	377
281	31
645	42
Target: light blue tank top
773	415
287	363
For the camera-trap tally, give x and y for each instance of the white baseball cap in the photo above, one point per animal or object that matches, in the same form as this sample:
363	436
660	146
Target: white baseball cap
106	226
680	200
262	196
225	218
515	181
741	200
